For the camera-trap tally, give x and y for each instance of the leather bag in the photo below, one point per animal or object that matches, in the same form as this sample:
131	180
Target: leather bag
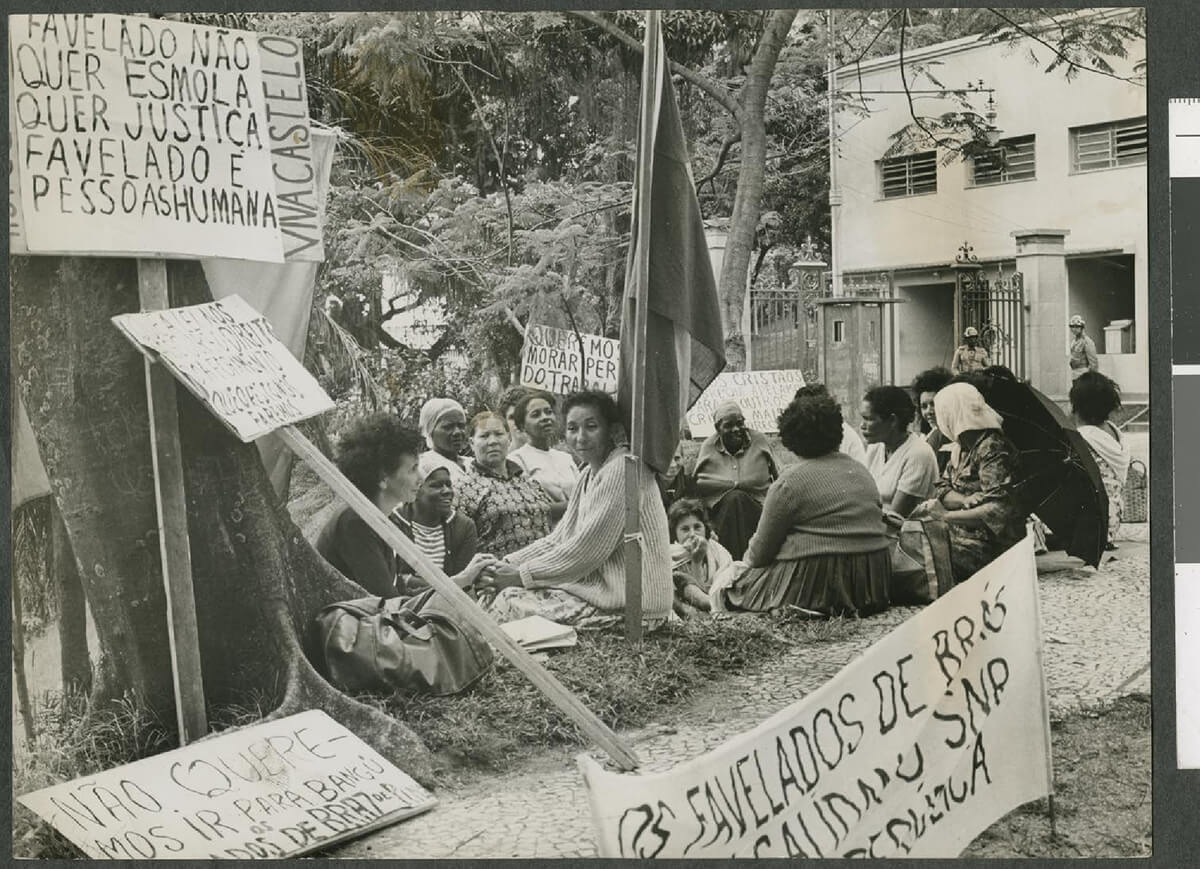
414	645
921	568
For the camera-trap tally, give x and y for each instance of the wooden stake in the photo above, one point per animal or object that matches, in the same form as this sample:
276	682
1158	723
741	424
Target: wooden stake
464	607
174	548
18	653
633	550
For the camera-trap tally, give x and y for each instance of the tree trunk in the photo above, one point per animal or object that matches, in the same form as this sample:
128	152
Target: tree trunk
747	202
257	581
76	662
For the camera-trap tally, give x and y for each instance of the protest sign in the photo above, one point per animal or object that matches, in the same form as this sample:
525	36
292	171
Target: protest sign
152	137
277	789
226	354
762	396
550	360
912	750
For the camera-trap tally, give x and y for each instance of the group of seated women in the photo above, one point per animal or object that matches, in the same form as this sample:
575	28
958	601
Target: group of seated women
537	530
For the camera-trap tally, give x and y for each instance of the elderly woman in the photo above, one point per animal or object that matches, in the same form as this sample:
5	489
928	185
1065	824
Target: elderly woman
924	387
733	470
444	424
554	469
975	507
379	456
1094	398
577	574
444	535
820	544
902	463
509	509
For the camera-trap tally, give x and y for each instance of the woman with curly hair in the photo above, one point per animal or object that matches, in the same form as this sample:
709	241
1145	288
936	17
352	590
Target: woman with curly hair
379	456
902	463
1094	398
924	387
820	543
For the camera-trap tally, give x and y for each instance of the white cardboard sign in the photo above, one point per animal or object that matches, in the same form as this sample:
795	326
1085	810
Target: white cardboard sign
274	790
227	356
913	749
762	396
550	360
152	137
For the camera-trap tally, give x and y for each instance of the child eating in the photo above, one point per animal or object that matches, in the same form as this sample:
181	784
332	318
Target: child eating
697	560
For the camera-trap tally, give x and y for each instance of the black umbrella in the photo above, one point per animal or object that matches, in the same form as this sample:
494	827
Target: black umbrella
1060	480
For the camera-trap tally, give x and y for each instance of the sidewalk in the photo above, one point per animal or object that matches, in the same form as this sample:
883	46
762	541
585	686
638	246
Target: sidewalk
1097	643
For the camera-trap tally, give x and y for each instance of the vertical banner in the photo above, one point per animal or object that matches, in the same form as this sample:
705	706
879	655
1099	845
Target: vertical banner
938	730
152	137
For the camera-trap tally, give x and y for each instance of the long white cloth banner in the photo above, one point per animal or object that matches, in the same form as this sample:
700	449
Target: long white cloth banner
913	749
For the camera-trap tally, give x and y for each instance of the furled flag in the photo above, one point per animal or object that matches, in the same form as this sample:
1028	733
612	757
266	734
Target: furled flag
669	271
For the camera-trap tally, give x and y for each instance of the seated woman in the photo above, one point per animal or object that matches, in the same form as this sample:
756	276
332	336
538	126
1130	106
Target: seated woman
852	443
1094	398
697	559
379	456
509	509
443	534
902	463
924	387
506	406
554	469
974	508
820	544
733	470
577	574
444	424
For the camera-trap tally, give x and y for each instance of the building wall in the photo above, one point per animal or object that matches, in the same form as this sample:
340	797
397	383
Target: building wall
1103	210
924	329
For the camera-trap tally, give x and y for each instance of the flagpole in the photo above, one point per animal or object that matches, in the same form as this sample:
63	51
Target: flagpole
633	462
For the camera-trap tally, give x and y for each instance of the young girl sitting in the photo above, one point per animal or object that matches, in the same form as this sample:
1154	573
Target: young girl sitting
697	560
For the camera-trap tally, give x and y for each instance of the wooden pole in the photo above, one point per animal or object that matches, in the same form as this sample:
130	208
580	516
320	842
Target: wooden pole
174	548
633	463
464	607
18	654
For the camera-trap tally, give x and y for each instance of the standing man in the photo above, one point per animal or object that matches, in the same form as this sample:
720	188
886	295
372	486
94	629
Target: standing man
1082	355
970	355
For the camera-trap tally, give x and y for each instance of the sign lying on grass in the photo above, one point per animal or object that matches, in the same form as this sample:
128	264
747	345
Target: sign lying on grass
912	750
762	395
273	790
227	356
155	137
550	360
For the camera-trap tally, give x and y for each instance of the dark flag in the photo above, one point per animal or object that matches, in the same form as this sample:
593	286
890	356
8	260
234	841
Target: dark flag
669	272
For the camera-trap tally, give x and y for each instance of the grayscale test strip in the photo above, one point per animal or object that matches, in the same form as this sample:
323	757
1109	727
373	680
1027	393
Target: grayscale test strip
1184	132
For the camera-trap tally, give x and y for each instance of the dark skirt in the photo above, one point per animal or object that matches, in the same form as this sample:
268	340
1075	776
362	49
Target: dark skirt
834	584
735	519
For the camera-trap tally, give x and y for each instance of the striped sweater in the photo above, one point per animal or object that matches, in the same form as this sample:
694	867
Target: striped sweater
583	555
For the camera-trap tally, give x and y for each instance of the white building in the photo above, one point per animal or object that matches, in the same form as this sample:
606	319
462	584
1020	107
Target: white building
1067	210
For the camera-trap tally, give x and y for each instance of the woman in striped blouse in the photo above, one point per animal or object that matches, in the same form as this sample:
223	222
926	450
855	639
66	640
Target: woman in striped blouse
576	575
444	535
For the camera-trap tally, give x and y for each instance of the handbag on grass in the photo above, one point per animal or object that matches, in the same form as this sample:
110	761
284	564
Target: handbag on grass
414	645
921	571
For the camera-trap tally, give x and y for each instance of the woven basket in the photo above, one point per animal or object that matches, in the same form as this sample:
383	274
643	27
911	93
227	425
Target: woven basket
1136	493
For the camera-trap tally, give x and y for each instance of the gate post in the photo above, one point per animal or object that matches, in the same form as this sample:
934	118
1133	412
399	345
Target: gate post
967	272
1041	259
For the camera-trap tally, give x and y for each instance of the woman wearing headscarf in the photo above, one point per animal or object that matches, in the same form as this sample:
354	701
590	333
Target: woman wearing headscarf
443	534
733	471
975	503
510	509
444	425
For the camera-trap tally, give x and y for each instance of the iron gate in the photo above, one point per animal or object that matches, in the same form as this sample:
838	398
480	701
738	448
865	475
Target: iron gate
783	325
996	307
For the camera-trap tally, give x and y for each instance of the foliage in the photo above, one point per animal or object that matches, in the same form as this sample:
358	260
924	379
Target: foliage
31	544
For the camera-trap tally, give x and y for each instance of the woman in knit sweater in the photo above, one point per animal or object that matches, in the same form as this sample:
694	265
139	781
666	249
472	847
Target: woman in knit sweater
820	544
576	575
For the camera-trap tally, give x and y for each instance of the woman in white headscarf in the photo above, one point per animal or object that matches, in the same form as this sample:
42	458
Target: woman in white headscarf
975	500
444	424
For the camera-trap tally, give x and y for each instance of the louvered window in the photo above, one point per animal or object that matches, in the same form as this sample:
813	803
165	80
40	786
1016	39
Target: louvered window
1105	146
909	175
1011	160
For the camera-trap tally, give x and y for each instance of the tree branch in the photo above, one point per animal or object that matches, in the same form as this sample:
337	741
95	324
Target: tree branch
1071	63
720	94
730	141
912	109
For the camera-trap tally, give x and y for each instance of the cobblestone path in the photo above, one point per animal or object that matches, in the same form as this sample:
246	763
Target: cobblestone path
1097	639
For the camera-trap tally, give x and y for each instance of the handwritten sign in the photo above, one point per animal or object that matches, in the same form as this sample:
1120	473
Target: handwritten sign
227	356
550	360
762	396
912	750
155	137
274	790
